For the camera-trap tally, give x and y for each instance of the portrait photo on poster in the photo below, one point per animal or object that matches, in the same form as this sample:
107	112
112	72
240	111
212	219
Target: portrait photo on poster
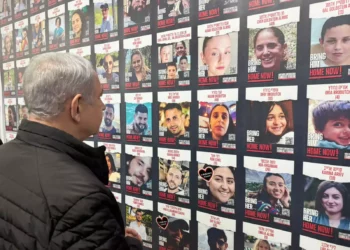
330	42
38	35
268	190
110	125
138	64
173	227
5	12
326	201
106	19
20	8
82	51
258	237
57	26
174	117
307	243
215	232
21	66
217	118
273	45
174	175
113	155
329	121
218	52
79	22
217	9
270	119
172	13
23	111
10	108
136	16
216	182
21	36
138	164
139	117
36	6
139	216
7	42
9	78
107	65
174	58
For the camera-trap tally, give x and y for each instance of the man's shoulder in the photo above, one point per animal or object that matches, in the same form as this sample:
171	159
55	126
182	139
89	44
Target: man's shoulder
54	175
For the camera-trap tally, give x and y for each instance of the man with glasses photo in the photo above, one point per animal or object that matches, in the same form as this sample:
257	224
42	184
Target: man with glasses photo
217	239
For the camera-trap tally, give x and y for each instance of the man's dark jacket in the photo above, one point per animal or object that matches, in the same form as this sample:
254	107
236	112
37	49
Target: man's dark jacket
52	194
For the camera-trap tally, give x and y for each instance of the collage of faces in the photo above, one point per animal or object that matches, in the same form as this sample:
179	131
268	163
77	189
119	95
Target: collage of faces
217	113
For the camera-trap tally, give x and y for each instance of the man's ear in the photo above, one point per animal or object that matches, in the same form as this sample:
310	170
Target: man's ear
76	108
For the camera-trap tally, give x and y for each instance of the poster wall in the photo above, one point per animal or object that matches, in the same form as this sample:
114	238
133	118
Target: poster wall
226	123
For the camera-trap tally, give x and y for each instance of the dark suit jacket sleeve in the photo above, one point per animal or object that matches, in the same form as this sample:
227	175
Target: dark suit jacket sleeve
93	222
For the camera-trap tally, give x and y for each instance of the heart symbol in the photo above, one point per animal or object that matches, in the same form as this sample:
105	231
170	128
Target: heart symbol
162	222
206	173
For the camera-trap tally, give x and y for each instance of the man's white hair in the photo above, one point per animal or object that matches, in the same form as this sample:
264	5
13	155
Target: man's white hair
53	78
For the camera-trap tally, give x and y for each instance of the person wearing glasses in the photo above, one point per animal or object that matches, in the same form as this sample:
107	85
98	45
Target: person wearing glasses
217	239
107	20
109	75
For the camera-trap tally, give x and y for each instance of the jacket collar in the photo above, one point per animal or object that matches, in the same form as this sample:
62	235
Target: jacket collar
43	136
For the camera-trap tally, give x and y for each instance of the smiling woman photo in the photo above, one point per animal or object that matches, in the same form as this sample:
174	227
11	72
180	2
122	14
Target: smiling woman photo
140	71
332	203
270	48
274	195
222	184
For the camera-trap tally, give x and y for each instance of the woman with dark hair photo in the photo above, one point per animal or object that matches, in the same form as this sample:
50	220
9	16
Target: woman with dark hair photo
332	203
273	195
78	24
222	184
139	169
113	175
272	120
271	49
140	71
58	34
220	123
12	116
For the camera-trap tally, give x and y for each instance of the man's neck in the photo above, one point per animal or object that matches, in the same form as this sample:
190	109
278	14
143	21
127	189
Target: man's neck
109	128
55	123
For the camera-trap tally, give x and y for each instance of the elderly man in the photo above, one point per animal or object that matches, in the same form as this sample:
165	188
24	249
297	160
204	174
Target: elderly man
55	195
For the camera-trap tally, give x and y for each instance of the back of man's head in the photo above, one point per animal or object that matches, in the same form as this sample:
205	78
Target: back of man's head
52	79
